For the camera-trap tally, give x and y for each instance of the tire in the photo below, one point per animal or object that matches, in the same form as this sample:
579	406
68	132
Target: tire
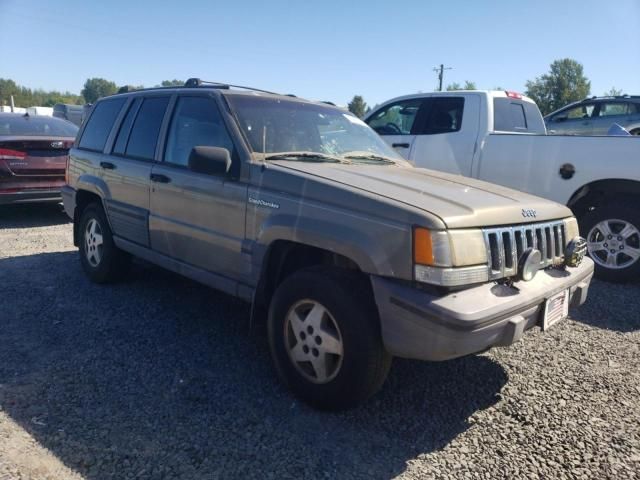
635	132
103	262
349	324
612	232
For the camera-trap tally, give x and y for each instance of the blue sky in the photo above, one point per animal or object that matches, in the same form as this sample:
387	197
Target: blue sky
326	50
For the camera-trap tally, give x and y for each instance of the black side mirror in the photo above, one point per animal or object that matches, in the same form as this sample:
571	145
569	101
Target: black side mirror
560	118
210	160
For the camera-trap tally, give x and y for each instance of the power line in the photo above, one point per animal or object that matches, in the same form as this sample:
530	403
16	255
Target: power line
440	70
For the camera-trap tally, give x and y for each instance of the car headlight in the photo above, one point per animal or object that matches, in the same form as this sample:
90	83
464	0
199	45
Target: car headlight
449	257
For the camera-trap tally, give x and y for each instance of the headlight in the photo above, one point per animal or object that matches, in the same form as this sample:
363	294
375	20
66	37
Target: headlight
435	252
570	230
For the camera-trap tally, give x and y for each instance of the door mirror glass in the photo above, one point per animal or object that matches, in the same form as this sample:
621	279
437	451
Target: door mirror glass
209	160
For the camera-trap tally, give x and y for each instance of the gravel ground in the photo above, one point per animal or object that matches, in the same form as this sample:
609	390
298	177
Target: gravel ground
159	377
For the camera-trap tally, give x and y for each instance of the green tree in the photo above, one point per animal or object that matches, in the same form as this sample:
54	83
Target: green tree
613	92
468	85
25	97
95	88
358	106
565	83
172	83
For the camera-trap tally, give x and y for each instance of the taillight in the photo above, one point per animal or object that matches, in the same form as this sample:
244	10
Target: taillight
7	154
514	95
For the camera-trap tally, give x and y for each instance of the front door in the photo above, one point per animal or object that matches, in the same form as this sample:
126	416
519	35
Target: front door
197	218
446	133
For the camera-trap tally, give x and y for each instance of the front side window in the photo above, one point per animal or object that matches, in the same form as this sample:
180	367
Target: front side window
146	128
196	122
582	111
100	124
395	119
274	125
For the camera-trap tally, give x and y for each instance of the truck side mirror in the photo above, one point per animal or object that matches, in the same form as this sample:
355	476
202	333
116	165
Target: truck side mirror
209	160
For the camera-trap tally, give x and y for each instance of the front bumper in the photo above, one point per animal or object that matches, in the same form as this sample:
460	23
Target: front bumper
416	324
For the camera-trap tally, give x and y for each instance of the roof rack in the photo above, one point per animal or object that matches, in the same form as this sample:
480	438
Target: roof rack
197	82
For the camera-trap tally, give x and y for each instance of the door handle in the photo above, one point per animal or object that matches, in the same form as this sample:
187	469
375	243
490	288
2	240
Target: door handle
107	165
401	145
160	178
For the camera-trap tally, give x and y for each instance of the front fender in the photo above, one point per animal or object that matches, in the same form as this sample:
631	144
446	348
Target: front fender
376	247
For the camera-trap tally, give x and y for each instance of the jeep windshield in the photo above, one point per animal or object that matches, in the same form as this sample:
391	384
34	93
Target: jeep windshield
303	131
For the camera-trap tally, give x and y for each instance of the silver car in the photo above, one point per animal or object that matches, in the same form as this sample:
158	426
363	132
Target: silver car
594	116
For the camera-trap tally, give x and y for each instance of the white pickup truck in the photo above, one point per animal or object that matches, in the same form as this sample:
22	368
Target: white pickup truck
500	137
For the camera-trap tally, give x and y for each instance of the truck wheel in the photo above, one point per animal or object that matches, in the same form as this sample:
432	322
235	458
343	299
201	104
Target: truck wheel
101	260
613	241
325	338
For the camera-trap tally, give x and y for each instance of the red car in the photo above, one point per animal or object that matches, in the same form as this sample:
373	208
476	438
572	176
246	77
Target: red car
33	157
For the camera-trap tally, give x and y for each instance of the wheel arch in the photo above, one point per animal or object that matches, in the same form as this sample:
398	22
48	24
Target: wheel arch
83	198
593	194
285	257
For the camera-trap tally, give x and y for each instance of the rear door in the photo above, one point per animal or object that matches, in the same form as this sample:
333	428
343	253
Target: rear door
198	218
446	132
395	122
126	168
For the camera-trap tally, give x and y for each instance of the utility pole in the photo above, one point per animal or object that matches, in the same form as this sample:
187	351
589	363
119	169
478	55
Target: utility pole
440	70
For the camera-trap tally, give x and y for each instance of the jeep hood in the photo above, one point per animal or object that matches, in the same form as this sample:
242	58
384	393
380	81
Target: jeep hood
460	202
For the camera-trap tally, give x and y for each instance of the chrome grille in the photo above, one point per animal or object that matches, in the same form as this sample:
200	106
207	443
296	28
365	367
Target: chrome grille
505	245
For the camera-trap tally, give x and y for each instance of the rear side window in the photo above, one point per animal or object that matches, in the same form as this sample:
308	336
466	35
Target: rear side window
100	123
442	115
123	135
516	116
146	128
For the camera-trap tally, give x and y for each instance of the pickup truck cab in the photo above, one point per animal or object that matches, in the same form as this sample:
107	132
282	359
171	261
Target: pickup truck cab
501	137
301	209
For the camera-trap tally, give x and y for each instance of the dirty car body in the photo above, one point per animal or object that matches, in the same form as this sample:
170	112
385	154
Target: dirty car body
268	197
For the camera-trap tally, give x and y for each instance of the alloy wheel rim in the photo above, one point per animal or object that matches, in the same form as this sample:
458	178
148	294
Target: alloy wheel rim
614	243
93	242
313	341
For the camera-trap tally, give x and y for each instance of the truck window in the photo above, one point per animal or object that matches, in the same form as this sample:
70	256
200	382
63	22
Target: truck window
510	115
100	123
441	115
397	118
146	128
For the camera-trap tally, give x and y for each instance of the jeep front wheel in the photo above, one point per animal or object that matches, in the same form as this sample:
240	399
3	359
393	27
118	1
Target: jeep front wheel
325	338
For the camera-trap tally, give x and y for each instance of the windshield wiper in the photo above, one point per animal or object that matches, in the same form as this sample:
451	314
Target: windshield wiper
305	156
373	157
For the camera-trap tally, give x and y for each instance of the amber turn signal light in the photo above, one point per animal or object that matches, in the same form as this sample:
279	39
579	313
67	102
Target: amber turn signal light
422	246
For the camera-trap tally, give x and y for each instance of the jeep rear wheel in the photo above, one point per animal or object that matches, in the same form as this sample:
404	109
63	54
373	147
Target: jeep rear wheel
101	260
325	338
